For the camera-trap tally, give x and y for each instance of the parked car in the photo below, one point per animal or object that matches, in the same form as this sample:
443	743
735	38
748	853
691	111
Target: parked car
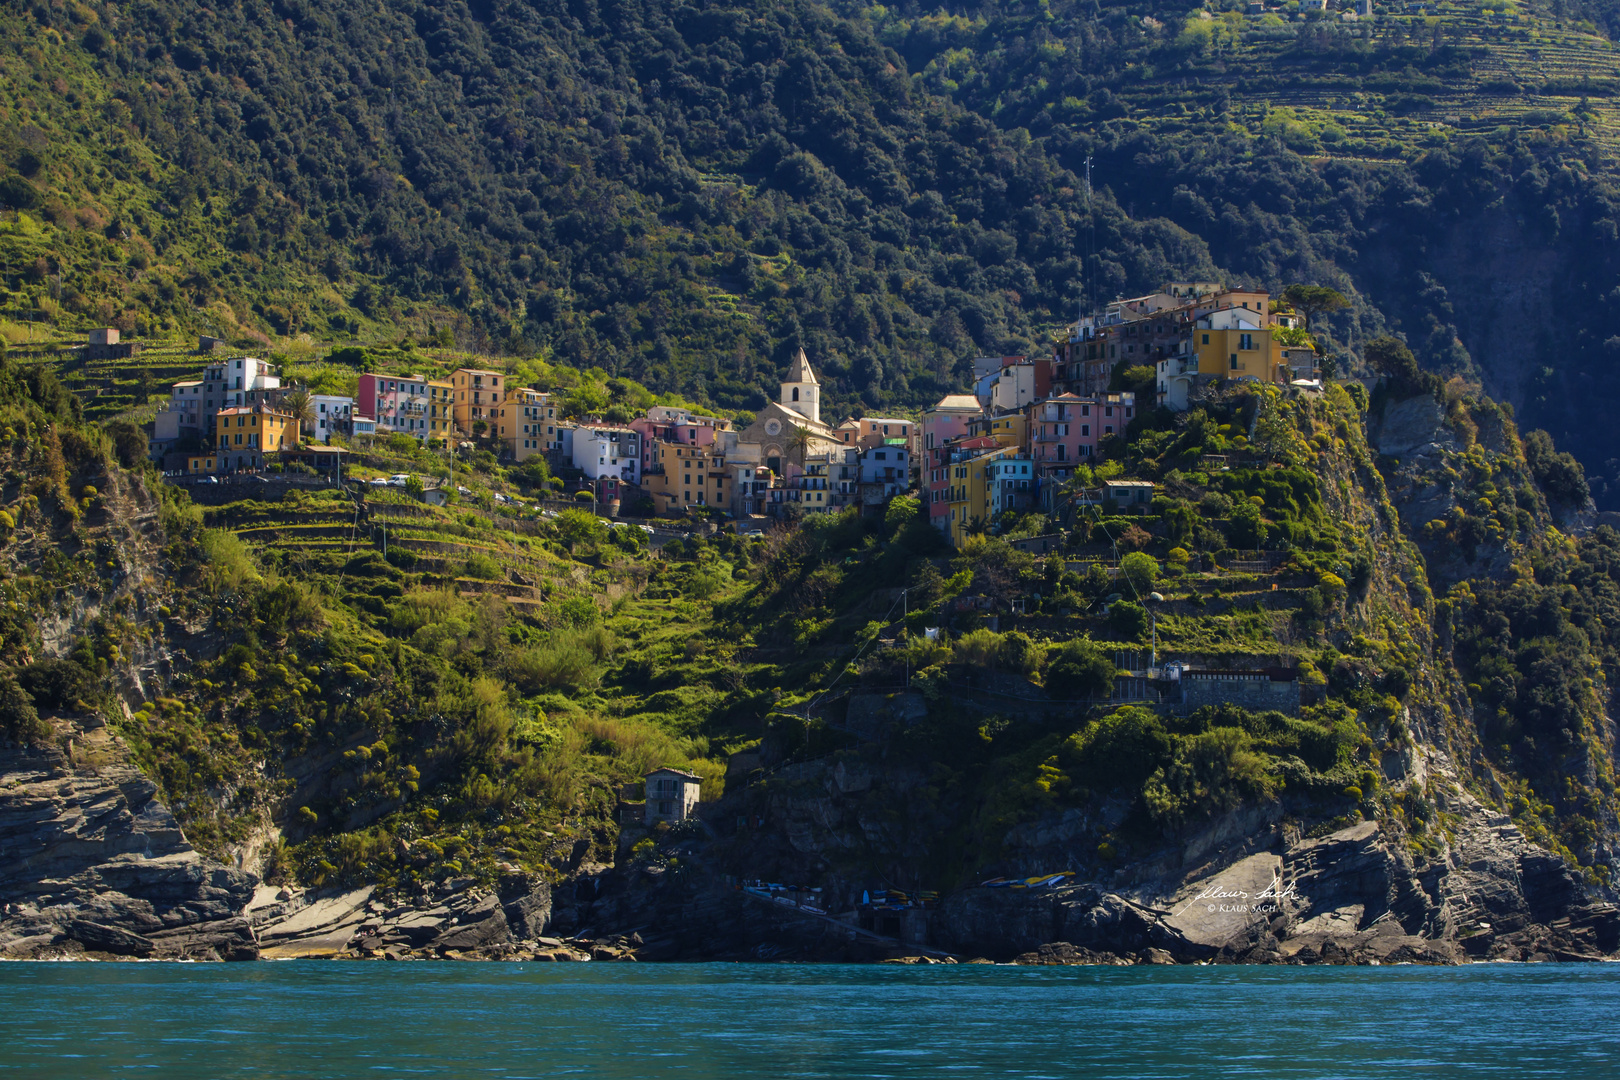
648	529
399	480
377	482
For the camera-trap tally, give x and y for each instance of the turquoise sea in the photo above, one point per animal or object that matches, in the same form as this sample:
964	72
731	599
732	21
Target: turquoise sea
302	1021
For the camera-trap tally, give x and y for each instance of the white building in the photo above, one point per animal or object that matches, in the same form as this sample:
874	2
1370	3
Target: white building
887	466
235	377
608	452
1013	388
334	415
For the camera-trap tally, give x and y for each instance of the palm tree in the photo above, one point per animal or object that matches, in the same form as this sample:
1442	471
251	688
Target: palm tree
800	442
299	405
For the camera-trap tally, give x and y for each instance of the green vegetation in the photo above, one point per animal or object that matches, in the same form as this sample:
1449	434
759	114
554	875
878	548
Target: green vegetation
893	188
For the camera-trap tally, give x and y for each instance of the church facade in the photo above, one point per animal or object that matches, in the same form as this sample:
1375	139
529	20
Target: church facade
771	440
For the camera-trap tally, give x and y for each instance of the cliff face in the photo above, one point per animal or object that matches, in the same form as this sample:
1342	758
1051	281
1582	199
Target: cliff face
91	862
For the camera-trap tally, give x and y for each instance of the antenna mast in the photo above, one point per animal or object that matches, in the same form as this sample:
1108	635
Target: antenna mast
1085	263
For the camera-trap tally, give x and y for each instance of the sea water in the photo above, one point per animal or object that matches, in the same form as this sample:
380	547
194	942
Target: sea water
307	1020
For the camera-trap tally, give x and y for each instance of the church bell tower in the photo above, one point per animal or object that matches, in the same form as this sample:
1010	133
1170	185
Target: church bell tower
801	392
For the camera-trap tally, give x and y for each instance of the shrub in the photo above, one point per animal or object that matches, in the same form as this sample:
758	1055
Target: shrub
1019	654
1121	750
229	564
288	605
1135	538
1079	669
1128	620
1208	772
403	558
981	648
576	527
565	659
19	720
483	567
53	683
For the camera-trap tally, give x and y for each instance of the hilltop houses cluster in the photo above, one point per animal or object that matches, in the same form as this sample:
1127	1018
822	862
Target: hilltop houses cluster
237	418
238	412
1013	442
1009	444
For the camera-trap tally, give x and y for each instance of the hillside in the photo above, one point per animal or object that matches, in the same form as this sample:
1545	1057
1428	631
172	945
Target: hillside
417	724
685	195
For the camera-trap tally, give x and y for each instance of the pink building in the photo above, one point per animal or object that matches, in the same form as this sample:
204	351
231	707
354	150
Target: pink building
946	422
397	403
666	424
1067	429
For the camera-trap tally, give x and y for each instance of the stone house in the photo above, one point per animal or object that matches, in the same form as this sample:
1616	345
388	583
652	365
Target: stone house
672	795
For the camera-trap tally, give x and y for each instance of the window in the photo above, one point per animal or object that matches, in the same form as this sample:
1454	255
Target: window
1245	342
1206	339
1234	362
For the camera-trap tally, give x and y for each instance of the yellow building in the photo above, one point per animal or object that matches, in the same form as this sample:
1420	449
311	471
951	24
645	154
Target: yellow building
1009	429
969	493
869	431
243	435
477	399
1238	351
686	476
526	422
441	406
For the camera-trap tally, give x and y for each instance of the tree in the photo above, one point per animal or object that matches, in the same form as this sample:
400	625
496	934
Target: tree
1141	570
1315	301
129	442
1390	357
577	527
799	441
1135	538
902	511
1079	669
299	405
1560	475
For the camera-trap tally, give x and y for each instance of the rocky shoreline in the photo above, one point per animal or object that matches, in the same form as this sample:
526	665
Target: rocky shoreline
93	866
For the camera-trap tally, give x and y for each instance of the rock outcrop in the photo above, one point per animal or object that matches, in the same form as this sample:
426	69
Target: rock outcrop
1349	897
91	862
455	918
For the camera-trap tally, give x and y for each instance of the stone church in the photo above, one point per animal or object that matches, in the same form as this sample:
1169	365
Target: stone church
768	440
